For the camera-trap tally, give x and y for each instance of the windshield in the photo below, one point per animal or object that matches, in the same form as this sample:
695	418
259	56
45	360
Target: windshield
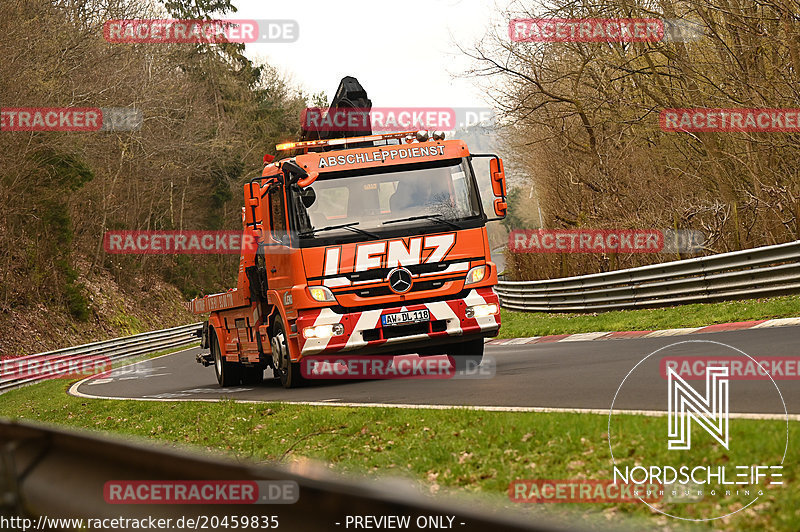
346	202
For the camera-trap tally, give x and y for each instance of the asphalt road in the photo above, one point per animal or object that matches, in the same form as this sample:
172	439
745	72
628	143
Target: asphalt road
559	375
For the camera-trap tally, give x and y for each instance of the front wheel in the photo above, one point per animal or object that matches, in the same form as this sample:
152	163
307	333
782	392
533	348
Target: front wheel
288	371
466	355
228	373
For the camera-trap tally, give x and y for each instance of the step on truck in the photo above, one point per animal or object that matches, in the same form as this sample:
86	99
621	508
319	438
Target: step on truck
373	246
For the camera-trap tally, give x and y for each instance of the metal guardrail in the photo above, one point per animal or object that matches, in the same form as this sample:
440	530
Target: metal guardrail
60	473
757	272
116	349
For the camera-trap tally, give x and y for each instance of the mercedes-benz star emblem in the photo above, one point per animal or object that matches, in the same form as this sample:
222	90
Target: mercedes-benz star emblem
399	280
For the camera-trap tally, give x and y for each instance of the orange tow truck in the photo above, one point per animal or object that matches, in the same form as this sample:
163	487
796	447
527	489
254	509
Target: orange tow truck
373	245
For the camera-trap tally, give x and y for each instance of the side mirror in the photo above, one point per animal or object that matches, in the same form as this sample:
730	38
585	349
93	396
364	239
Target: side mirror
299	175
253	201
310	178
308	196
498	174
500	208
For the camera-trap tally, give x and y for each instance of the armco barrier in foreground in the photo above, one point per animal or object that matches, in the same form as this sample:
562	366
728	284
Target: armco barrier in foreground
116	349
61	474
758	272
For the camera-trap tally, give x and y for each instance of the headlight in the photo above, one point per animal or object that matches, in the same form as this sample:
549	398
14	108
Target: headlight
481	311
475	275
321	294
323	331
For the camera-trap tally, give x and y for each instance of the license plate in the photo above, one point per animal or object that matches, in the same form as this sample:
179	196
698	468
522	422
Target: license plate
401	318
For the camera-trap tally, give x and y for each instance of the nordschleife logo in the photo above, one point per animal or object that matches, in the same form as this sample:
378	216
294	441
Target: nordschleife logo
714	442
686	404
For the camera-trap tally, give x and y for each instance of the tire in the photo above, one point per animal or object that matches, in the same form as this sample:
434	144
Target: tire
252	376
466	355
285	369
228	373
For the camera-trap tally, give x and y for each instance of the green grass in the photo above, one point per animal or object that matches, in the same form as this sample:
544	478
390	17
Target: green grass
525	324
467	451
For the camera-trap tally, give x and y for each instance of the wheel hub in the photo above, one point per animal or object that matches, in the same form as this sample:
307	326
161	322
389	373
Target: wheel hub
279	357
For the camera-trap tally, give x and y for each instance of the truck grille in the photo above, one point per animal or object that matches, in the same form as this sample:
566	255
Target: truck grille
416	287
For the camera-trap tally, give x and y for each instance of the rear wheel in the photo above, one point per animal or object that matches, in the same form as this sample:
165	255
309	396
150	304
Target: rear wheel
466	355
228	373
287	371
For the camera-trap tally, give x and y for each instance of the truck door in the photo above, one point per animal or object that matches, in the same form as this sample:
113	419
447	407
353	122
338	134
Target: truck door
278	252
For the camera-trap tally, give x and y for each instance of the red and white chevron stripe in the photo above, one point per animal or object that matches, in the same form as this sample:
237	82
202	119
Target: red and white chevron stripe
452	312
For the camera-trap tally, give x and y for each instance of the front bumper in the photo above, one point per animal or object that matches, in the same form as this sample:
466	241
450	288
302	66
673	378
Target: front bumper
364	334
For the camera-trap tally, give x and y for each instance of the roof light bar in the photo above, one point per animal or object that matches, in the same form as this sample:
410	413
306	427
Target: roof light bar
347	140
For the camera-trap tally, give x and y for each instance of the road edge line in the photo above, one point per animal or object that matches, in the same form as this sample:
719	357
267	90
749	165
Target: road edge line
622	335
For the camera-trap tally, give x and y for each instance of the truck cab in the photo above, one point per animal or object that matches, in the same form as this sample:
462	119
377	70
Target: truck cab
371	246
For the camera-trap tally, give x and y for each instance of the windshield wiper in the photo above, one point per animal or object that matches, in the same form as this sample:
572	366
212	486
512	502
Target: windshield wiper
435	217
350	226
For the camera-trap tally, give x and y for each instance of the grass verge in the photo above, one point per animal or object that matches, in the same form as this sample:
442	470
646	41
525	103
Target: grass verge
525	324
467	451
